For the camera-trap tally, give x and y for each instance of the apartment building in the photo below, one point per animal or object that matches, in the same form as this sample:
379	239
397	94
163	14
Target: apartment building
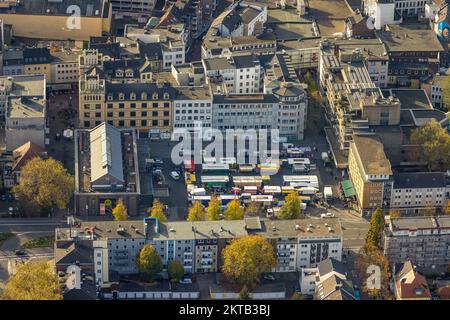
189	74
370	172
418	191
239	74
52	18
422	240
192	108
146	107
64	70
414	53
434	89
133	8
199	245
37	61
23	101
172	40
13	62
285	108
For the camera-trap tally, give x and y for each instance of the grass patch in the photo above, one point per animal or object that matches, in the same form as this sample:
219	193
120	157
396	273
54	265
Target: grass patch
5	236
41	242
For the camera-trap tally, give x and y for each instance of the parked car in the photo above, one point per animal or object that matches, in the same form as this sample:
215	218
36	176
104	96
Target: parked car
175	175
269	276
185	280
20	253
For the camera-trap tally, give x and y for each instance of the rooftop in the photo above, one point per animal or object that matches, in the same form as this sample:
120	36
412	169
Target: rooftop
414	37
89	8
371	152
420	180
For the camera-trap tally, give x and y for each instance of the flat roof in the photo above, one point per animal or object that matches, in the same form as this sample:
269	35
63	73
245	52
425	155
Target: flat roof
414	37
413	223
371	152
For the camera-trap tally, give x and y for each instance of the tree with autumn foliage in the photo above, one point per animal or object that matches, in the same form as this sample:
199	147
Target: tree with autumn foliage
292	207
246	259
34	280
175	270
253	209
376	226
214	209
234	211
120	212
148	262
158	211
433	143
45	183
197	212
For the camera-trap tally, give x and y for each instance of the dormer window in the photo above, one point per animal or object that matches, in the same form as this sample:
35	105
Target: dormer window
129	73
155	96
132	96
144	96
119	73
110	97
121	96
166	95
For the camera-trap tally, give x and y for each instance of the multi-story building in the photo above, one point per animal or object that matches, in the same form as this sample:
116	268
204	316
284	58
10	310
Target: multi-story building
370	172
423	240
284	108
13	62
172	40
106	170
189	74
199	245
54	18
414	53
434	90
134	8
38	61
23	100
192	108
239	74
146	107
64	70
418	191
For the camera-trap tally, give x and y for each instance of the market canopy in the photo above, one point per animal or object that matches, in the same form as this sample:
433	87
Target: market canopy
347	187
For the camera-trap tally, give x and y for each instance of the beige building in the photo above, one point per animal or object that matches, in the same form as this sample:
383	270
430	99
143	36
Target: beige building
42	19
370	172
142	106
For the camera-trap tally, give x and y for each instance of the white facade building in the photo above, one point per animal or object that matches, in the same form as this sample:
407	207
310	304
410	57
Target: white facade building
239	74
192	108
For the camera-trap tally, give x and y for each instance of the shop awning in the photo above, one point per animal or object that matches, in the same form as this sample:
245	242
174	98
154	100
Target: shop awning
347	187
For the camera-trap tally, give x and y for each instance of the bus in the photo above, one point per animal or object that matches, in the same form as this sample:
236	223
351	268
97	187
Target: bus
265	199
204	200
273	190
242	181
288	189
251	189
301	181
227	198
297	161
215	168
215	181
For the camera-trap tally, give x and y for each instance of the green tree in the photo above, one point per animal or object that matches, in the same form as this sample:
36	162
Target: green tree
175	270
312	86
433	146
374	233
245	259
45	183
292	207
197	212
244	294
214	210
157	211
234	211
120	212
148	262
446	93
33	281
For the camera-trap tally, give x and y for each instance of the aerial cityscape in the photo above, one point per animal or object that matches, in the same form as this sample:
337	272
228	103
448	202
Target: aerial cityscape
224	150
